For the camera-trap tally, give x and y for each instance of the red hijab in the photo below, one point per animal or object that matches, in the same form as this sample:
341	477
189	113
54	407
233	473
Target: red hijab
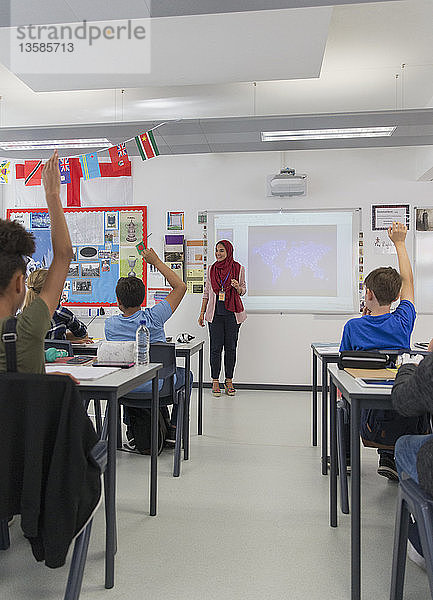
221	274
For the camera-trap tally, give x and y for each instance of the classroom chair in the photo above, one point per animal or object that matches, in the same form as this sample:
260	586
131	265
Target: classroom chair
45	433
411	499
161	352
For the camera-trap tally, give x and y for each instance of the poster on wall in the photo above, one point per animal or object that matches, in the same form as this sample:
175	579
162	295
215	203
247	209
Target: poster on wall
383	215
195	266
104	249
175	221
424	219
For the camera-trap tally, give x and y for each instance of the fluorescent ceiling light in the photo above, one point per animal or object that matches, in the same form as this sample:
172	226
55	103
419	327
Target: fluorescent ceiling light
59	144
326	134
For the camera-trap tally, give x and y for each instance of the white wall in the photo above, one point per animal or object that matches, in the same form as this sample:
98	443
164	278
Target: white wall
275	348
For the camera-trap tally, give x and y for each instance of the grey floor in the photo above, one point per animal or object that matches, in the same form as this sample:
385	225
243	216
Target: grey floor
247	519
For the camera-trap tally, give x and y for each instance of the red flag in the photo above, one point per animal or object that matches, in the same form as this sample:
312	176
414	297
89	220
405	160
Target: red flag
32	172
119	156
73	188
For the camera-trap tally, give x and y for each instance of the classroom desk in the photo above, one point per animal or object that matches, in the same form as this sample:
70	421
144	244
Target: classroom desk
186	351
327	353
85	349
111	388
359	398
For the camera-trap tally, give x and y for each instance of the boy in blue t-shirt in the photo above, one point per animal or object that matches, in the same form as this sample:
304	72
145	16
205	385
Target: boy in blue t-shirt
130	293
379	328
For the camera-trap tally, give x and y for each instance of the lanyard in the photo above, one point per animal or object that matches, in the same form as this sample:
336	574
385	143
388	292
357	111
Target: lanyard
223	282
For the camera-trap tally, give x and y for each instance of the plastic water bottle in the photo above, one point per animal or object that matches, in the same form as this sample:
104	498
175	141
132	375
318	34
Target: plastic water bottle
142	338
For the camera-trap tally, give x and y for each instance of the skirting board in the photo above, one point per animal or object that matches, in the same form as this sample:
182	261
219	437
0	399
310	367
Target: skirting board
268	387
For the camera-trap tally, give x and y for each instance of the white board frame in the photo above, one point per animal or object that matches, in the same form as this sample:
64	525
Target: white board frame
356	229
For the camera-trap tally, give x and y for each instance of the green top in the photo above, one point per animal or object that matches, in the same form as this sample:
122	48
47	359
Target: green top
32	326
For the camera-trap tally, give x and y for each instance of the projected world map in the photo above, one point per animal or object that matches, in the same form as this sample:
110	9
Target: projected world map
280	255
292	260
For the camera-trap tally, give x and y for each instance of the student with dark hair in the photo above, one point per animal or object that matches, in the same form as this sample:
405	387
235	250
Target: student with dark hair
130	293
379	328
15	245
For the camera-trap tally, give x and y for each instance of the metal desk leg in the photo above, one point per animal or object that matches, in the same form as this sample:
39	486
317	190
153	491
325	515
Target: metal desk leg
324	417
154	445
314	407
187	408
200	391
110	499
355	457
333	450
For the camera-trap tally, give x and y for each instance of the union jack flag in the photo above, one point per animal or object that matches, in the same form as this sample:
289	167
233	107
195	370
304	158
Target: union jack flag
65	171
119	156
121	149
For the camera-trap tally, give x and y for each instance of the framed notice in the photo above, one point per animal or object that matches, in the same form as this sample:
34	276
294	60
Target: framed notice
383	215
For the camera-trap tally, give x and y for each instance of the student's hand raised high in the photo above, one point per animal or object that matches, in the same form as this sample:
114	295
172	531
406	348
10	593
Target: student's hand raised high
51	175
150	256
397	233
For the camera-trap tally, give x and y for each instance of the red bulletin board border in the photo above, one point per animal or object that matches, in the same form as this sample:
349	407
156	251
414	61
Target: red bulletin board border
143	210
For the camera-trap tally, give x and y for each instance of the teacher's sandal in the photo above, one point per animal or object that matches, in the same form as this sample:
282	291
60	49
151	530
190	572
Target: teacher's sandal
216	389
229	389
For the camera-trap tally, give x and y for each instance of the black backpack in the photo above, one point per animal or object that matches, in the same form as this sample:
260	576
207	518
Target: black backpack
140	424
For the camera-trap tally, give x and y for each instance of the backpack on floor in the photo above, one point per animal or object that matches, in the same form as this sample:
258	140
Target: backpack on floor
140	424
382	428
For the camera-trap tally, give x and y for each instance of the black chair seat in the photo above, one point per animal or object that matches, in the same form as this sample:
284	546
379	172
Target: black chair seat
412	499
165	353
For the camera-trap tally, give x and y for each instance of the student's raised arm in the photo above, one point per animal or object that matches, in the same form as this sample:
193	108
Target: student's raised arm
179	287
62	247
397	234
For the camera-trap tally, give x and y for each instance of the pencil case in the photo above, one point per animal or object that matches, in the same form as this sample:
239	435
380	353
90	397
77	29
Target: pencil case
359	359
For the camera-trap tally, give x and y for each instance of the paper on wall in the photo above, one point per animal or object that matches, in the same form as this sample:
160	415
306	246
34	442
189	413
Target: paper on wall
195	280
382	244
86	227
156	295
194	252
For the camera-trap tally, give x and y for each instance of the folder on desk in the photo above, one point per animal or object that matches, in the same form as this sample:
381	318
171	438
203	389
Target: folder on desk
372	373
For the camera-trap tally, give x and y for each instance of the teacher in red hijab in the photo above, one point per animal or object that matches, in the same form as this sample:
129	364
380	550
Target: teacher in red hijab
222	308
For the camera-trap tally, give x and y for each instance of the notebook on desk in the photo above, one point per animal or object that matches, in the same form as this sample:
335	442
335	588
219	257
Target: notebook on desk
79	372
382	374
374	383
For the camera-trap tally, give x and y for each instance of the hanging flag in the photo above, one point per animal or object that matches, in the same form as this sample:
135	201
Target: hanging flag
90	166
5	169
119	156
146	145
113	188
32	172
65	171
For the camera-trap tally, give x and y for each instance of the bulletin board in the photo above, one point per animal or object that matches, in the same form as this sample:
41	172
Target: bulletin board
104	244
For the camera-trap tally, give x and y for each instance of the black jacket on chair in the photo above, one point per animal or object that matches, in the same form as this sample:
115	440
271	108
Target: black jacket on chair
412	395
47	473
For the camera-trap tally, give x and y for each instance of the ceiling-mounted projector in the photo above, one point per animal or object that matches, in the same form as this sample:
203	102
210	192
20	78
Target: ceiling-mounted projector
287	183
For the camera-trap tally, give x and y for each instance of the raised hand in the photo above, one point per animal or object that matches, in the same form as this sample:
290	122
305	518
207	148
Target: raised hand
51	175
397	233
